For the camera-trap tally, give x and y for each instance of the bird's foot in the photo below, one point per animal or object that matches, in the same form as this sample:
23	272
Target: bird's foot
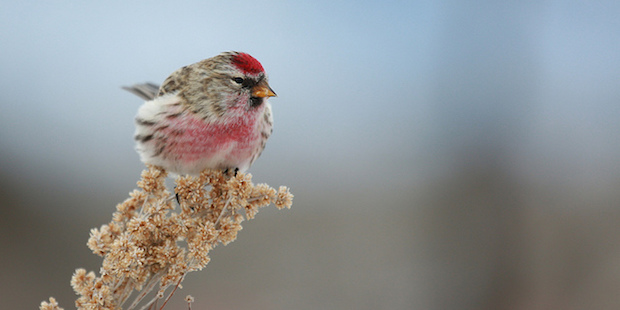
229	171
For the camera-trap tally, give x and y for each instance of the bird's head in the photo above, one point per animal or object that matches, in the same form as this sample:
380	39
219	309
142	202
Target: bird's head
224	84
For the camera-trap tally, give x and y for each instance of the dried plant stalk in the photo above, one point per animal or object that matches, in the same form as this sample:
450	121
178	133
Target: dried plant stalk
150	244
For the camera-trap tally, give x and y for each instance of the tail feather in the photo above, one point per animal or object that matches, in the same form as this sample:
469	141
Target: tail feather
146	91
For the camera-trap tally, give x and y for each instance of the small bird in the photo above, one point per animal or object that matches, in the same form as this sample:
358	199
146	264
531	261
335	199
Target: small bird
213	114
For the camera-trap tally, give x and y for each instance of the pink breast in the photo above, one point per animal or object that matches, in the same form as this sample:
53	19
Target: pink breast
190	138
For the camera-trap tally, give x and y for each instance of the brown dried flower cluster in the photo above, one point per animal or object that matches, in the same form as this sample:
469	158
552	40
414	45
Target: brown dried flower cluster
149	245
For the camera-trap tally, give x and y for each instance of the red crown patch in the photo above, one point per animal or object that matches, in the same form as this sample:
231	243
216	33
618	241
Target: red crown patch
247	64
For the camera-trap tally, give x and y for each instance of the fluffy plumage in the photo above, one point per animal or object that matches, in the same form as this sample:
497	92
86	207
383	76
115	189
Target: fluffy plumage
211	114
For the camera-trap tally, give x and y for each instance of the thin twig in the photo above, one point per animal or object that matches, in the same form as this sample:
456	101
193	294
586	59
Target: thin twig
151	303
127	290
171	293
147	289
222	213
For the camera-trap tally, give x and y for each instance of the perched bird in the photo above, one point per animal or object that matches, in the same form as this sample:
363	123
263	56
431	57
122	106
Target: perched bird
211	114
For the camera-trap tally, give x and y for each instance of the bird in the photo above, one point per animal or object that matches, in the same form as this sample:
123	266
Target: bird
213	114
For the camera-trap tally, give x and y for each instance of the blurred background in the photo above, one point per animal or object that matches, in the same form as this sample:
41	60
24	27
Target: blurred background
443	154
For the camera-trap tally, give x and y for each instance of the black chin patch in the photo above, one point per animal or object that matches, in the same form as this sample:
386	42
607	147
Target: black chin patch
255	101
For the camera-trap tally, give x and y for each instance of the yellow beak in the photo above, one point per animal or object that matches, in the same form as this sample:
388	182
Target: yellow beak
262	90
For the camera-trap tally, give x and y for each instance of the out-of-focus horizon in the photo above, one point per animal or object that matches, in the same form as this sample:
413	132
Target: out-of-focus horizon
444	155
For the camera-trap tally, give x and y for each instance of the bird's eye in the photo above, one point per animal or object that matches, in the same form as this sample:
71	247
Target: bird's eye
238	80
